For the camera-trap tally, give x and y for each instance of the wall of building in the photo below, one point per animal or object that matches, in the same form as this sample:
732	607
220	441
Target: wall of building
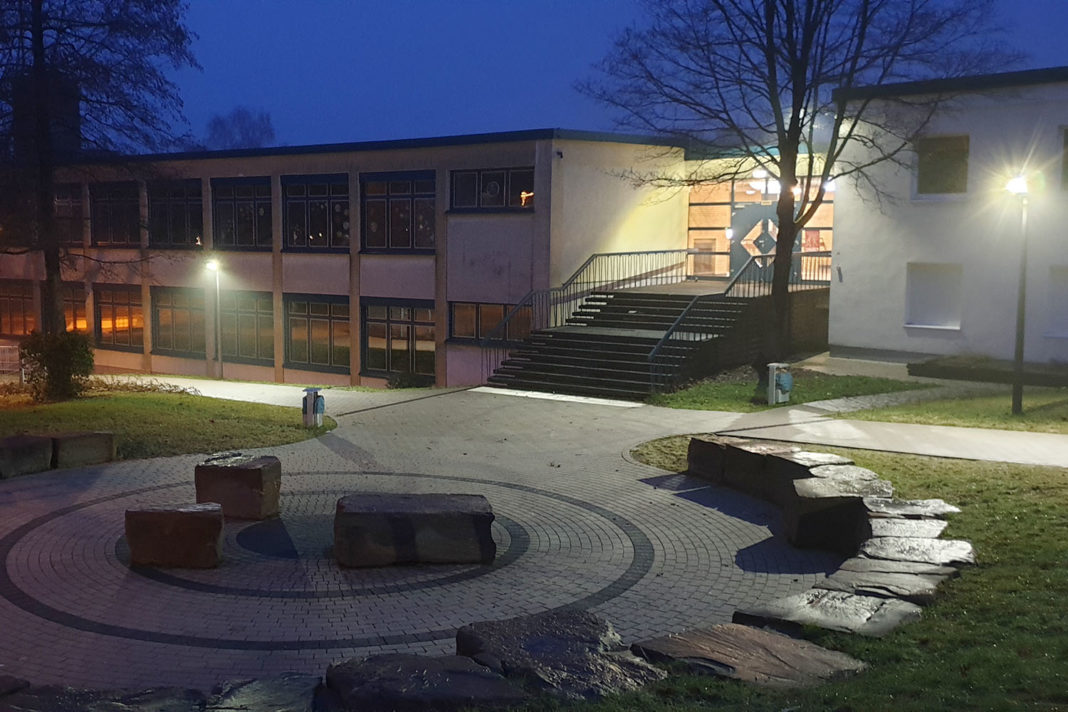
918	275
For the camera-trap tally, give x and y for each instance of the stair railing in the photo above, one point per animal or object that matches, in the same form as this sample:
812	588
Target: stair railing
661	373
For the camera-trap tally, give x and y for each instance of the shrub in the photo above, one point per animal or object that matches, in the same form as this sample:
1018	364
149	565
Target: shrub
57	365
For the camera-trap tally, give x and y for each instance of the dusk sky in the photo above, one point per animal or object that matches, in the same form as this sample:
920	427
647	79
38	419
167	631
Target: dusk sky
355	70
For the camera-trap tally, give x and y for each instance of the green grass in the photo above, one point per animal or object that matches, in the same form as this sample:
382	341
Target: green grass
148	424
996	639
734	391
1045	411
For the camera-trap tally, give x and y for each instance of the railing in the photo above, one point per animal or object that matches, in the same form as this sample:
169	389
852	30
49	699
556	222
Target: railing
10	362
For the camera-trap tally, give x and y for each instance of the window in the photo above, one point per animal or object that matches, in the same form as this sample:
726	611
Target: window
493	189
119	318
74	307
398	211
942	165
247	327
317	332
175	219
476	321
398	337
178	321
316	212
17	315
935	295
116	215
242	213
69	218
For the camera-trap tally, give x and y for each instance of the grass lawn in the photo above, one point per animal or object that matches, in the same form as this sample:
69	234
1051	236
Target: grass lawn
733	390
996	638
149	424
1045	411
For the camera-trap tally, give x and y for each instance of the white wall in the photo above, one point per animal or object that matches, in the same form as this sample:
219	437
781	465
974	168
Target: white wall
977	232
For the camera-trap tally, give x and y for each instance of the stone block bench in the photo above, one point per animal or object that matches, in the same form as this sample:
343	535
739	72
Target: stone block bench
385	529
24	454
80	449
246	487
185	536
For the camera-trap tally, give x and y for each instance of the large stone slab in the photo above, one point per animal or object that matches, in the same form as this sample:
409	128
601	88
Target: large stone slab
571	654
24	455
828	513
185	536
943	552
53	698
705	459
413	683
909	587
291	692
752	655
912	528
865	565
246	487
798	464
834	610
909	508
745	466
385	529
844	471
81	449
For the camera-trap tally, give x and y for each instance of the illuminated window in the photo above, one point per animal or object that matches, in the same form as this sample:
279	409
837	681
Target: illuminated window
74	307
119	319
178	321
241	209
316	212
116	215
942	165
493	189
175	218
68	213
398	211
17	315
317	332
248	327
398	337
475	321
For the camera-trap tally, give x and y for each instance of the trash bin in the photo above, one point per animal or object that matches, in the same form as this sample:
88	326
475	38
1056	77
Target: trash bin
312	407
780	383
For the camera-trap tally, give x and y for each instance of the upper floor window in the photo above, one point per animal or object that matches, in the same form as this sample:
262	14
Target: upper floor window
493	189
942	165
398	211
242	213
116	215
175	218
316	212
68	213
17	315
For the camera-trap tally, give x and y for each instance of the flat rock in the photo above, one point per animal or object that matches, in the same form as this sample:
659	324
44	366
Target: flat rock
66	699
751	655
909	508
944	552
84	448
865	565
829	488
844	472
291	692
912	528
834	610
24	455
246	487
413	683
571	654
184	536
909	587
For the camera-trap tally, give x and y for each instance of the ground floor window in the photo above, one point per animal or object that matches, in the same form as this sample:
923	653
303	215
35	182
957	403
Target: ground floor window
178	321
17	315
398	337
119	318
475	321
74	308
317	332
247	326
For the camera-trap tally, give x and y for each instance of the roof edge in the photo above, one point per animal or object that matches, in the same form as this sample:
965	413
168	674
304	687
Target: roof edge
973	83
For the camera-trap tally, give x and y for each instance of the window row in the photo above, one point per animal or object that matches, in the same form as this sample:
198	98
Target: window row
398	210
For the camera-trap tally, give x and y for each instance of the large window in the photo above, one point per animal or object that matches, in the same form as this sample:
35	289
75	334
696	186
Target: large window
317	332
248	327
175	219
398	337
942	165
69	217
116	215
398	211
119	319
242	213
476	321
316	212
178	321
17	315
493	189
74	307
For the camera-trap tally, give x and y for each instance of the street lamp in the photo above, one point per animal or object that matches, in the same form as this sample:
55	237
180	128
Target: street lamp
1018	187
214	266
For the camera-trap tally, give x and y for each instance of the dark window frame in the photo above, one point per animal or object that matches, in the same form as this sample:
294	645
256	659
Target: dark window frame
481	201
103	295
195	309
289	302
115	214
16	298
942	165
69	212
234	313
175	206
390	320
225	193
74	301
338	207
415	200
513	332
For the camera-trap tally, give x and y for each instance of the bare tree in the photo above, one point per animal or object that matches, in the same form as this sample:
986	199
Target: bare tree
241	128
753	82
78	76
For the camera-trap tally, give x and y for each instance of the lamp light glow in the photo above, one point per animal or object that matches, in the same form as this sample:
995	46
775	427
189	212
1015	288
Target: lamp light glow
1017	185
213	265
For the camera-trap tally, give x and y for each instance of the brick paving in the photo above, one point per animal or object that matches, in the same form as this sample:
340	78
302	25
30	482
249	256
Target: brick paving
579	525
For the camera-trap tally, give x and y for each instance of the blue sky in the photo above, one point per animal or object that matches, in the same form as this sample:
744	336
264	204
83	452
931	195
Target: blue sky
353	70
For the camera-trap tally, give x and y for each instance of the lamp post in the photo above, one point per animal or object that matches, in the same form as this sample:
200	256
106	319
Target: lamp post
1018	187
214	266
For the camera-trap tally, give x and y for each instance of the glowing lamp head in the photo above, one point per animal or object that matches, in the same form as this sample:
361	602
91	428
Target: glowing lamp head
1017	185
213	265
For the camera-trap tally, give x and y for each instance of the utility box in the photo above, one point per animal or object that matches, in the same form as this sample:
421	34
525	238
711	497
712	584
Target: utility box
780	383
313	406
